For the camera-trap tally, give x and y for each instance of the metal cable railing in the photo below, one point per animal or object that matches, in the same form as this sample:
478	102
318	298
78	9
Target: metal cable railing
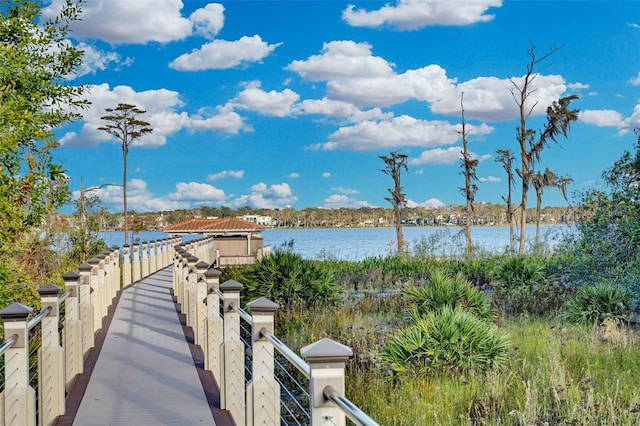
3	348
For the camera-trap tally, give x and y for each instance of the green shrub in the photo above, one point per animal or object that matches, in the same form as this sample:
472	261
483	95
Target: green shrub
446	340
15	285
524	285
288	279
441	290
597	303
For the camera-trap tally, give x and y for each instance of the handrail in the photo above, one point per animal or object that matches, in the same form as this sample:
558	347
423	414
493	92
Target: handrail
291	356
64	296
351	410
10	342
244	314
36	320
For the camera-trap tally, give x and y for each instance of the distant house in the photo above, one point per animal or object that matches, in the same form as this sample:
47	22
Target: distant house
260	220
237	242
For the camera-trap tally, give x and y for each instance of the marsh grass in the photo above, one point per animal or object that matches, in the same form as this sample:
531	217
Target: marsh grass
555	373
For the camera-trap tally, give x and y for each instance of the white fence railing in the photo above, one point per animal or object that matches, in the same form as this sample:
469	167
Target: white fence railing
213	311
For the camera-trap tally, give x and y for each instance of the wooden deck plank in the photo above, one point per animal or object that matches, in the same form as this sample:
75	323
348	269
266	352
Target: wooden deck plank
145	372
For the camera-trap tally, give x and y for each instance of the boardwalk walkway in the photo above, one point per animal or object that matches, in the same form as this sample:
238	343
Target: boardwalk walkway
145	372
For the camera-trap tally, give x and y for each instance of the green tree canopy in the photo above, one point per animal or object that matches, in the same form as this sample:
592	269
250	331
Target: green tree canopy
35	59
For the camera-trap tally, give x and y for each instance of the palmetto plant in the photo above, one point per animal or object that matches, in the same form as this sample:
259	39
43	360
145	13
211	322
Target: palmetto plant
289	279
597	303
441	290
447	340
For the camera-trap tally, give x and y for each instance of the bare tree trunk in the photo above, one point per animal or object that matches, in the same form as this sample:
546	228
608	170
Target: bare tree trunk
124	195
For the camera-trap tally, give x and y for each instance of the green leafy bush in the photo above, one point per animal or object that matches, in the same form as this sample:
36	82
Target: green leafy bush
288	279
446	340
441	290
597	303
524	285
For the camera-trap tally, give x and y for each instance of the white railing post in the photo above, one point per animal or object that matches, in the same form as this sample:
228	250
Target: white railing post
19	396
191	289
87	316
263	392
199	329
144	261
327	360
163	259
177	276
135	263
212	355
51	377
115	272
97	296
153	267
74	361
232	390
126	266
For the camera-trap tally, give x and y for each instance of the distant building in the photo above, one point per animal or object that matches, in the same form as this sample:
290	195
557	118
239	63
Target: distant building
260	220
237	242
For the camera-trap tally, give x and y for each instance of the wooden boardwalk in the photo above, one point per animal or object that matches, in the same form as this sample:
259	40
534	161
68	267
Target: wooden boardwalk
146	372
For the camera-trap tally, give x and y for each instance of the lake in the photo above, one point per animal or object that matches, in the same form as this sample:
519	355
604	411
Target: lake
360	243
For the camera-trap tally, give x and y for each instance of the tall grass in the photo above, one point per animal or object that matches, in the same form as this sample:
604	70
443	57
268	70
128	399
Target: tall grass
554	375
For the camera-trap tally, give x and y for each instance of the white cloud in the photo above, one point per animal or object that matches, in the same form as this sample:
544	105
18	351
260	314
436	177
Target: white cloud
208	21
262	196
139	198
139	21
222	54
337	201
199	193
95	60
398	132
490	98
236	174
490	179
346	191
326	175
333	108
431	203
160	106
636	80
342	60
578	86
273	103
602	118
445	156
416	14
294	175
354	76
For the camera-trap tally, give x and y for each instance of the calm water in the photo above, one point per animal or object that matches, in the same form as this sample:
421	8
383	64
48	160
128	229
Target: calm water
360	243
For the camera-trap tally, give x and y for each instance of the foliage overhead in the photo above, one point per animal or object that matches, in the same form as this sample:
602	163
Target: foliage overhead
35	59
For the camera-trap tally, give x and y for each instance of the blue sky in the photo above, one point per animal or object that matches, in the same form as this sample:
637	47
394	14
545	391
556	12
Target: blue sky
291	103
